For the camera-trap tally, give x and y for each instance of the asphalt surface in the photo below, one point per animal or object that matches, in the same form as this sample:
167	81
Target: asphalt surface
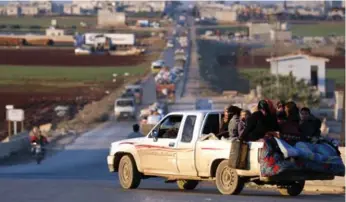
79	174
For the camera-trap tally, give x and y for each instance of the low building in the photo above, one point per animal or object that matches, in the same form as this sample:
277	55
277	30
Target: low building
72	9
259	30
106	18
53	32
13	10
226	16
302	66
280	35
3	10
29	10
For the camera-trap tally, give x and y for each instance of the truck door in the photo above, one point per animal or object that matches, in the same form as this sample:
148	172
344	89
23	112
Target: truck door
186	146
159	156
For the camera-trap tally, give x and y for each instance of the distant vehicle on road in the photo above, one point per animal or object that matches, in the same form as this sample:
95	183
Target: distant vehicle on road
170	44
125	108
156	66
137	91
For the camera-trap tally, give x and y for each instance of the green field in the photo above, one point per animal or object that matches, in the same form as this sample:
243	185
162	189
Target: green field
19	74
319	29
337	74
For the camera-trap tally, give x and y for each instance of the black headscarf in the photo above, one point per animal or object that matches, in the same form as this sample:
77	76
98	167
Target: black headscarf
233	110
263	105
293	111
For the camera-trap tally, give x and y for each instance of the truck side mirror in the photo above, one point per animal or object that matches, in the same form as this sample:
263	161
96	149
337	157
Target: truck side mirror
155	135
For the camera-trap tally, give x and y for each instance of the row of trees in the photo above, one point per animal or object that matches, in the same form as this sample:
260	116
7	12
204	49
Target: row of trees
286	88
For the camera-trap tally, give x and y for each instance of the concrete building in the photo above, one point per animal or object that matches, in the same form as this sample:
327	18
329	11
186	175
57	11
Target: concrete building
259	30
3	10
44	6
106	18
29	10
72	9
53	32
311	69
144	6
226	16
280	35
13	10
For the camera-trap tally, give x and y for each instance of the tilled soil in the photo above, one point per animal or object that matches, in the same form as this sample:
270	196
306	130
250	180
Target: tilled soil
63	57
39	106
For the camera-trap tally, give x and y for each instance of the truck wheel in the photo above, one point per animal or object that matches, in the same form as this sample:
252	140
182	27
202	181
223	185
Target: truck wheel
293	189
227	180
129	176
187	184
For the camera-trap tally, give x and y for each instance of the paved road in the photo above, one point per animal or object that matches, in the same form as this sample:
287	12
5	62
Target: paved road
79	174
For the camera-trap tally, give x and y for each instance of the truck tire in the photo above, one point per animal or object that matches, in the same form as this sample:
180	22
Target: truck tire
187	184
129	176
293	189
227	180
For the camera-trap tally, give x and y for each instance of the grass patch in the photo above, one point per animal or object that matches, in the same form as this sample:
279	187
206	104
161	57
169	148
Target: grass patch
16	74
337	74
318	29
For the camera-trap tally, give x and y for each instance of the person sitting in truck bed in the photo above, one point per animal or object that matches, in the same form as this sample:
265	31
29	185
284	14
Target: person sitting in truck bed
289	127
233	115
259	123
309	125
280	111
244	115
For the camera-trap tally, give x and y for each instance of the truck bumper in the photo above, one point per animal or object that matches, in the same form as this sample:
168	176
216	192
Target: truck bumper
110	163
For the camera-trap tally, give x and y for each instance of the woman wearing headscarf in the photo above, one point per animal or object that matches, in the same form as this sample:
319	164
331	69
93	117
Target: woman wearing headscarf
280	108
289	128
233	115
259	123
225	120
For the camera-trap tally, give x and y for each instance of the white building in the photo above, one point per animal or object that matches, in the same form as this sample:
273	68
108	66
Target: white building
310	68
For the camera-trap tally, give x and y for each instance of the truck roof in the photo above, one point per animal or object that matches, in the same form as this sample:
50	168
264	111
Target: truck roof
196	112
133	86
125	99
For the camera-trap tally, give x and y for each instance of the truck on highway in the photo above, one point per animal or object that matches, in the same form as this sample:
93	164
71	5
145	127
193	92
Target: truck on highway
156	66
185	147
125	107
137	91
165	92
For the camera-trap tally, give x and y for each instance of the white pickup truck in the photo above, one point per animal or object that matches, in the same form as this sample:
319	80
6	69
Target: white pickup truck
178	149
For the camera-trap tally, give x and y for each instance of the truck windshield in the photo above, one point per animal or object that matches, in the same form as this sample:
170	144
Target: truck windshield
124	103
157	67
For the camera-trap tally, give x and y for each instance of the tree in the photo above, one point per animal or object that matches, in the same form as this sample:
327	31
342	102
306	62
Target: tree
289	88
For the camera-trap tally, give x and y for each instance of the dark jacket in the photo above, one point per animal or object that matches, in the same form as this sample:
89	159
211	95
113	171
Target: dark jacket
310	127
258	125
